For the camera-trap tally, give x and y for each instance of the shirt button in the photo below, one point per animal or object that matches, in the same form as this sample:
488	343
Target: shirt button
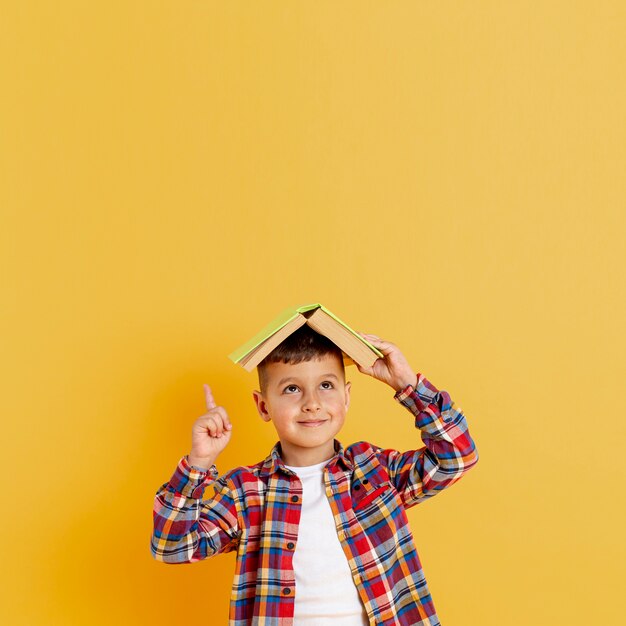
357	487
286	591
291	545
365	481
294	498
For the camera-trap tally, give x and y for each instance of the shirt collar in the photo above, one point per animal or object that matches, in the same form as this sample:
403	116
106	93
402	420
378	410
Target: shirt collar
274	462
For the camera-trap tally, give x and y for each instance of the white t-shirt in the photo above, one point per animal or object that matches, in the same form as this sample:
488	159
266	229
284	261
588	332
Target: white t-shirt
325	592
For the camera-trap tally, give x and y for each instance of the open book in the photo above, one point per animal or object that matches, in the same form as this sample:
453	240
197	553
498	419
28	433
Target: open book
354	347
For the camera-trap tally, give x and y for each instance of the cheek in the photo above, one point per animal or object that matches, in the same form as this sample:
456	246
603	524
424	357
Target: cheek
288	407
340	402
281	403
286	403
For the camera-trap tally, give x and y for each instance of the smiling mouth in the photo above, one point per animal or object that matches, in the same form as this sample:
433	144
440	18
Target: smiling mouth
312	423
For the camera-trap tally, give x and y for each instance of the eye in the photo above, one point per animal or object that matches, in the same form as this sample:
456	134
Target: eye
288	387
327	382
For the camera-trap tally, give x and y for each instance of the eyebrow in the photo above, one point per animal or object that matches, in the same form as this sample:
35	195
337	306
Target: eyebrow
282	381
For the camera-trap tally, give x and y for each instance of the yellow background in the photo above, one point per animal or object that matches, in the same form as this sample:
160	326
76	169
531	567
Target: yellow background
447	175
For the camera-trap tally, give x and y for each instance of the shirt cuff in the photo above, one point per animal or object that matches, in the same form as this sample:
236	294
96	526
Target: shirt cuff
420	397
190	481
431	407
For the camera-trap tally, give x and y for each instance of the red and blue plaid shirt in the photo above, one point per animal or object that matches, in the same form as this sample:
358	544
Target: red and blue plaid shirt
255	511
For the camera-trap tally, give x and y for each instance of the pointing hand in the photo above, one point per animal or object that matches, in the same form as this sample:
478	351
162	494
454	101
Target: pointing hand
210	433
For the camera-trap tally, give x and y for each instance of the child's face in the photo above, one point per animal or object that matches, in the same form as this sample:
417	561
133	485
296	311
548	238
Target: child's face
307	403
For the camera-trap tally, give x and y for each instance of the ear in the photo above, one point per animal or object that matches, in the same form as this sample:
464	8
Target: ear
261	405
347	388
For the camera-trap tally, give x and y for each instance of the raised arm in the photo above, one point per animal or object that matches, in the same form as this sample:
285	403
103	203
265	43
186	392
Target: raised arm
186	528
449	450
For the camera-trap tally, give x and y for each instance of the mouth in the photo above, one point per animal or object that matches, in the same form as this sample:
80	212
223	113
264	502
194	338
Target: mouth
312	423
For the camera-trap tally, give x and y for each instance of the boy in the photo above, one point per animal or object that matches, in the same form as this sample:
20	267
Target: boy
320	530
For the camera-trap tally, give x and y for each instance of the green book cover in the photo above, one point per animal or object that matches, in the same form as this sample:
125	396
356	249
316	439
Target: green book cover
284	318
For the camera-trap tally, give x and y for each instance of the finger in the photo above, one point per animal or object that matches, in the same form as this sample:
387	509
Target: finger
208	395
211	427
369	336
384	346
219	412
221	421
372	338
215	427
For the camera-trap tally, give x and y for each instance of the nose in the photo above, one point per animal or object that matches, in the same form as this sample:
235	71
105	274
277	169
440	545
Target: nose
311	403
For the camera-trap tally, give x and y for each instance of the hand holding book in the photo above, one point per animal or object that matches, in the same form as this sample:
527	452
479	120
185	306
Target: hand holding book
393	368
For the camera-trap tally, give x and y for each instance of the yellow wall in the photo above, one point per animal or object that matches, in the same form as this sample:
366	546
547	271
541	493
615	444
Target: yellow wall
447	175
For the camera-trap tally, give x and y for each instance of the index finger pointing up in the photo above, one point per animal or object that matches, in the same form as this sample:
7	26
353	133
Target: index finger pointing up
210	403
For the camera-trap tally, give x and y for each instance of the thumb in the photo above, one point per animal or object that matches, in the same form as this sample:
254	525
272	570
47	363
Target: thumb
364	370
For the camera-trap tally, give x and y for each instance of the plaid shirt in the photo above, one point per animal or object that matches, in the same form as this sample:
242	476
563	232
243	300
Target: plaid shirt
255	510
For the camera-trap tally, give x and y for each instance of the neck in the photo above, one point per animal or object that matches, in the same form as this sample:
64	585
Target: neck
302	457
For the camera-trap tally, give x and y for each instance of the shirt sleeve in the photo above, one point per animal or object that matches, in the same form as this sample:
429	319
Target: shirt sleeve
449	450
186	528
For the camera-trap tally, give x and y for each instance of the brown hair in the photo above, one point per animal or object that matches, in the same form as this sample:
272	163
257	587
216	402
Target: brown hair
304	344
